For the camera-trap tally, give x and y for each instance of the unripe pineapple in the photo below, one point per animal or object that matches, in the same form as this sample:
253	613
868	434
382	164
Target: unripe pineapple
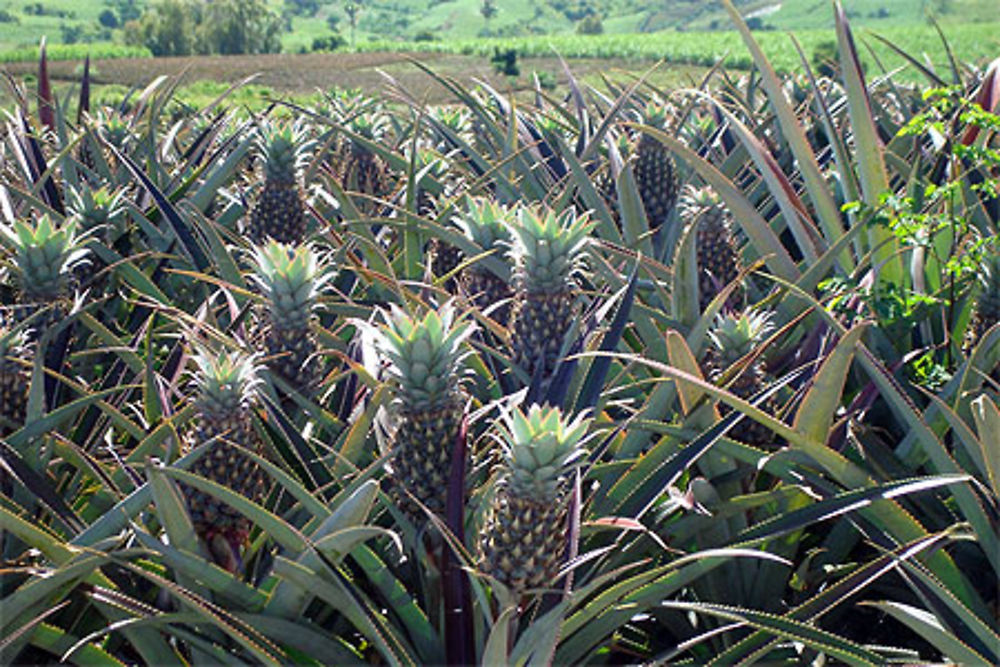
548	251
280	210
524	540
733	337
426	360
291	279
364	171
718	257
225	384
45	256
15	378
655	171
485	223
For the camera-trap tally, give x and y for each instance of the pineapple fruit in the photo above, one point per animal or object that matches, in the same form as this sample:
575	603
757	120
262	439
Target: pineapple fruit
525	537
225	384
280	210
655	171
734	336
45	258
15	379
426	374
485	223
291	279
718	257
548	250
364	171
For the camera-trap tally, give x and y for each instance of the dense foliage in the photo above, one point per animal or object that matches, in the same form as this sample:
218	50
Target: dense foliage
704	376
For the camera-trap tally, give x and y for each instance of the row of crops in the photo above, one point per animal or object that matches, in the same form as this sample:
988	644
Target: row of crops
698	376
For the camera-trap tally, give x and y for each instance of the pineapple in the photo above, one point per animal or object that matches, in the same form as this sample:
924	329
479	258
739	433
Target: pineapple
291	279
718	257
15	379
485	224
225	384
46	256
655	171
547	251
364	171
733	337
426	373
524	540
280	210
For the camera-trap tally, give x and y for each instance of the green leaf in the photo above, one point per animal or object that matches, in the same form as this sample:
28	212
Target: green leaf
832	645
926	625
819	407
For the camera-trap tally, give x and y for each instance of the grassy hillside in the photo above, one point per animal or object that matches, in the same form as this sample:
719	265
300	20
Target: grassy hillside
23	22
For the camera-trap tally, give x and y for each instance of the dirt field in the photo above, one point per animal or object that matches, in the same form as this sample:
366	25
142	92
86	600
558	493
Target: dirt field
289	74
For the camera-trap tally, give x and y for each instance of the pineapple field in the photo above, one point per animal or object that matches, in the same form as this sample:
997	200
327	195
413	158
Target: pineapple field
603	373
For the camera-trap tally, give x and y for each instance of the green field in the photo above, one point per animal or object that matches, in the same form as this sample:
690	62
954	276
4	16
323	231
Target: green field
969	42
63	20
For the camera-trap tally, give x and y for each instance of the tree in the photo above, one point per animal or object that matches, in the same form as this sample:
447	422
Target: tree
352	9
108	19
183	27
167	27
239	26
488	10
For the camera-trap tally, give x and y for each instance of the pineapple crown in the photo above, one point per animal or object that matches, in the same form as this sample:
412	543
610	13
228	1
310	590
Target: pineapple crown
548	248
425	355
291	277
704	201
485	223
736	335
113	127
226	381
96	208
370	125
455	118
540	450
44	254
284	149
656	114
696	198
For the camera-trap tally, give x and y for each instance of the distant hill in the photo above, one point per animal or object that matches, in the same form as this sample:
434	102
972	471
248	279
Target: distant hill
23	22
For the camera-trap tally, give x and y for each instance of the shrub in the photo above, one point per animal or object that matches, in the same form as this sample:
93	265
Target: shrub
590	25
327	43
108	19
504	61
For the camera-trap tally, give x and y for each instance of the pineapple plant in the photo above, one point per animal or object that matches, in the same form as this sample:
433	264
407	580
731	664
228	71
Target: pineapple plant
279	212
45	258
291	279
734	336
986	309
426	359
525	536
225	383
548	250
15	378
718	256
485	223
655	171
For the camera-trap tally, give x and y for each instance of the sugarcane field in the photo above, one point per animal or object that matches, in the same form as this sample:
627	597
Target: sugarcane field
469	332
